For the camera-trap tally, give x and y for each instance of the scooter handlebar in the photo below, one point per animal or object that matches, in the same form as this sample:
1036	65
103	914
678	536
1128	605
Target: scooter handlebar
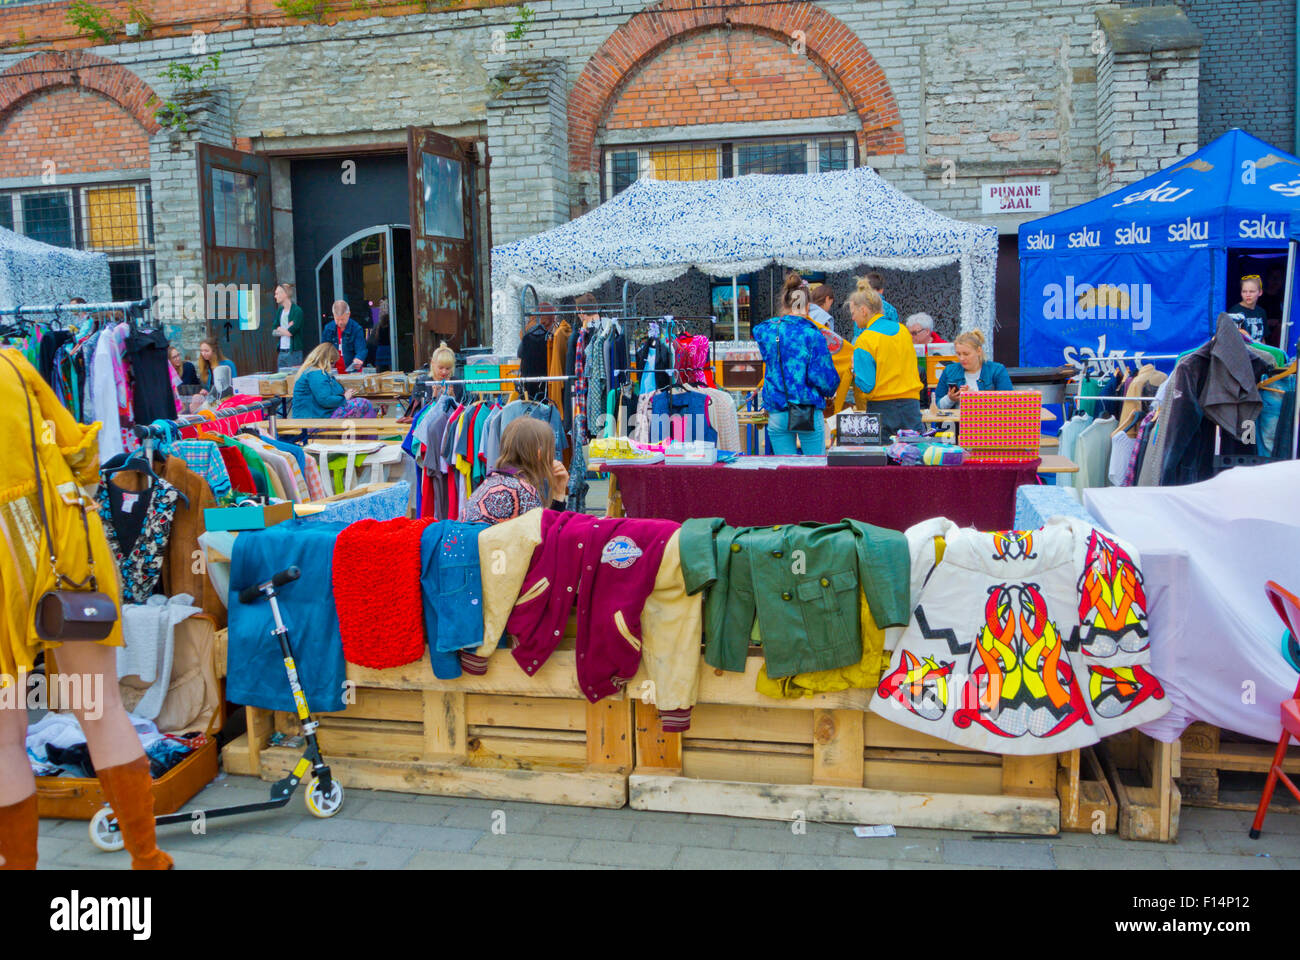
252	593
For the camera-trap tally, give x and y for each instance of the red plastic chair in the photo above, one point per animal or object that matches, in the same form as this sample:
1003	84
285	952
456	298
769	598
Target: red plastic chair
1287	606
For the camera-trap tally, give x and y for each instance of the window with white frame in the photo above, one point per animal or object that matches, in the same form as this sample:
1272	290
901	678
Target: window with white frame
624	165
115	219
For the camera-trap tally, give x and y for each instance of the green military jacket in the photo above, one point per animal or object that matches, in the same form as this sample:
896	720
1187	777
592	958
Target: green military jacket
800	582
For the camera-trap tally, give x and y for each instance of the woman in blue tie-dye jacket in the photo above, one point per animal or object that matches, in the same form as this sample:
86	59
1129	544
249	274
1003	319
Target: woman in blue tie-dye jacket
799	369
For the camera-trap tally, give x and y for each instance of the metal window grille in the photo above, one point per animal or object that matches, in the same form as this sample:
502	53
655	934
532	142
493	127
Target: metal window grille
703	160
111	218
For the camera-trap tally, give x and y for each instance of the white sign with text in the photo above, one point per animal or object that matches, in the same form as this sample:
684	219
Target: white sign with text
1016	197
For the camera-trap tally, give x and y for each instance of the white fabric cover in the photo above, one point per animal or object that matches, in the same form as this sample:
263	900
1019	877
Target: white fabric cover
1008	651
1207	550
657	230
148	633
38	274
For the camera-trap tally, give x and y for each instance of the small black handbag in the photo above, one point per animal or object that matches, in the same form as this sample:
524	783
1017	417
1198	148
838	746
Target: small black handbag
800	416
76	613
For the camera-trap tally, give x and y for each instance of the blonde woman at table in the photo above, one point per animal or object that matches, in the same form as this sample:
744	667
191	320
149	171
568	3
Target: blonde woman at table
318	395
970	372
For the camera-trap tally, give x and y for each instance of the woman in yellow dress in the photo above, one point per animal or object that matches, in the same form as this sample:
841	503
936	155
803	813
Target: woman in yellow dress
33	421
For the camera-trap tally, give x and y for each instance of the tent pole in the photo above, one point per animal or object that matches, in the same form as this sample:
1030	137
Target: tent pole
735	307
1286	299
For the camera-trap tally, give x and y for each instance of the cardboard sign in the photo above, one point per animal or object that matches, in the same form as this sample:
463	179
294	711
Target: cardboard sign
858	429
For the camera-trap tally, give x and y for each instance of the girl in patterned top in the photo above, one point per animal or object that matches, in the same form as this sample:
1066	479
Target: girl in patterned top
524	477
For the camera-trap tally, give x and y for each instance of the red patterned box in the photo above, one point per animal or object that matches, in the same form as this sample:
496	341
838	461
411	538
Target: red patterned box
1000	426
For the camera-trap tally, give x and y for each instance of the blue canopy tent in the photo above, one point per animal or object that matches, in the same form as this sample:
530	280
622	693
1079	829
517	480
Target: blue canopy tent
1144	269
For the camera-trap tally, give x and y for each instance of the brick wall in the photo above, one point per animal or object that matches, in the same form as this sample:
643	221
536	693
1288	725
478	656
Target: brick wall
719	77
1248	67
529	150
80	130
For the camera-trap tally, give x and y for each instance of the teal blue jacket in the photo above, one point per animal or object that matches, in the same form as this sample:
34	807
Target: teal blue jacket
316	395
800	582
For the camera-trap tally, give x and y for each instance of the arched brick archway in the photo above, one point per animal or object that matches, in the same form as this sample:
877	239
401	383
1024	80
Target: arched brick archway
75	68
830	44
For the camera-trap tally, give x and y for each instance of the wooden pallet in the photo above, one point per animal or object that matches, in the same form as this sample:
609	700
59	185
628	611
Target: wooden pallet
1142	773
1088	804
501	736
1208	751
826	759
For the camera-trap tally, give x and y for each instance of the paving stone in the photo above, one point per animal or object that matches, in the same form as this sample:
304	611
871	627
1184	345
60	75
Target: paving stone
686	834
527	864
622	853
482	818
999	853
339	830
1240	844
524	845
799	861
360	856
890	848
455	860
698	858
420	837
584	827
393	811
776	837
1080	858
1215	861
925	865
281	865
193	860
275	849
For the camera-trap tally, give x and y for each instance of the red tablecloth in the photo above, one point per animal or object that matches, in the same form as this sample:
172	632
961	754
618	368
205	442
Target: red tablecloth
979	495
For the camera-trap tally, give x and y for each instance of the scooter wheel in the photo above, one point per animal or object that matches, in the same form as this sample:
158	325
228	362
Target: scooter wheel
107	840
323	805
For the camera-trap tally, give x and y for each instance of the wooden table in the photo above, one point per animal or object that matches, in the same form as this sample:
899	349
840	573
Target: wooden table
335	427
1056	463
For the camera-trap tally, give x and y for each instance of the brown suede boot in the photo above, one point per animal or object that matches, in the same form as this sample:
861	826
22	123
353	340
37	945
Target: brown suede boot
18	826
129	790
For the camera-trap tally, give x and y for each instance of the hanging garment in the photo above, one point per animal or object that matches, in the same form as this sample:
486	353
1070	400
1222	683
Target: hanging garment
608	569
204	458
376	577
1023	642
256	673
151	376
1215	385
555	357
138	526
181	573
453	590
1092	453
106	402
692	357
534	353
505	552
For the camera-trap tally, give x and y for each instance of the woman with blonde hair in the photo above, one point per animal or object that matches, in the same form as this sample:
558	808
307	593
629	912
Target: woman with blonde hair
318	395
884	364
970	372
442	366
526	475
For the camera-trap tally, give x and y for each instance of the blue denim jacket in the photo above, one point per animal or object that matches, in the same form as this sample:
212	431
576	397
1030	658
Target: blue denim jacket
453	593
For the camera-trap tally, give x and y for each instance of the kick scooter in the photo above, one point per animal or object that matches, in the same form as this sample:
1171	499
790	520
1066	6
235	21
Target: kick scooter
324	793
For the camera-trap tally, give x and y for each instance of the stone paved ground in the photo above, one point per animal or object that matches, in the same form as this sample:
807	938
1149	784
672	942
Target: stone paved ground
395	830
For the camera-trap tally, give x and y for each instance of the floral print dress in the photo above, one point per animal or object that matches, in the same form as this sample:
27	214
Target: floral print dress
141	567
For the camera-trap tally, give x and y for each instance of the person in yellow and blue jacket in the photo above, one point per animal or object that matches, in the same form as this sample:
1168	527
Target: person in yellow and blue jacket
884	365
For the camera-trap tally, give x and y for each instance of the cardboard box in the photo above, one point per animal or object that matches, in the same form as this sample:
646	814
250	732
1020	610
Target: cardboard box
247	518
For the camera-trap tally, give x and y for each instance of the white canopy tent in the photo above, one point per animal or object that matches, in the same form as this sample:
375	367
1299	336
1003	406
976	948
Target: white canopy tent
32	272
657	230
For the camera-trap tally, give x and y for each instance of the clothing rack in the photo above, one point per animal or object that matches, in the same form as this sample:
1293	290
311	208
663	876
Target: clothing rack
154	430
132	309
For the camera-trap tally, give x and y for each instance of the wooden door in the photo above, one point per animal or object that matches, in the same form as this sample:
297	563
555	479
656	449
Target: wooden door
443	173
238	256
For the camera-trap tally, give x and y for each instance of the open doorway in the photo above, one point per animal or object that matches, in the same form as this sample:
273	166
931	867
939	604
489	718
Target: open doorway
1270	267
370	270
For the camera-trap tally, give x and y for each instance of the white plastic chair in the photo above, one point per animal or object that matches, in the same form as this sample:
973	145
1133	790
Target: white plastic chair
323	451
